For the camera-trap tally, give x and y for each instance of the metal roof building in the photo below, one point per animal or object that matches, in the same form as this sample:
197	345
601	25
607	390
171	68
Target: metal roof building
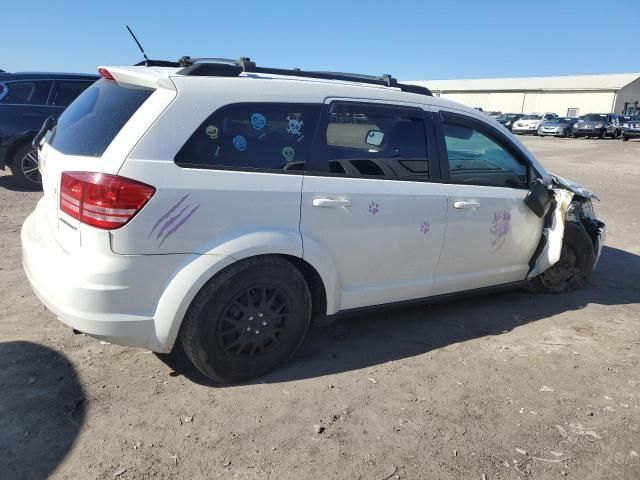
566	95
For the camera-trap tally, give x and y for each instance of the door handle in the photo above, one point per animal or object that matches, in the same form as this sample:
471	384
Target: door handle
466	204
331	202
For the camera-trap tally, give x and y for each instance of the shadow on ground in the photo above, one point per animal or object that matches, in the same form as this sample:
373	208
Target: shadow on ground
7	181
41	410
367	339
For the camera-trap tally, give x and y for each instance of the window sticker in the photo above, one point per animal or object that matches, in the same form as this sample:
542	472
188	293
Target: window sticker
240	143
424	227
212	132
499	228
373	207
288	153
295	127
258	121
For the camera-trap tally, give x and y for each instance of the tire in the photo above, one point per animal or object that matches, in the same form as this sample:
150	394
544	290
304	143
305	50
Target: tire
625	139
574	267
23	162
221	331
603	134
575	136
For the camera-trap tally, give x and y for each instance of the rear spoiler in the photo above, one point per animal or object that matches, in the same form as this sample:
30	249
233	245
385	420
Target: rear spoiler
143	76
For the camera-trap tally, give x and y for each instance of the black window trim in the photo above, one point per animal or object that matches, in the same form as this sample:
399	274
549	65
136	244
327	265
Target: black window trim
198	166
446	116
318	162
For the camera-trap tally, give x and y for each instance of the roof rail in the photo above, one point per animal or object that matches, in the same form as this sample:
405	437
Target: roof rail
224	67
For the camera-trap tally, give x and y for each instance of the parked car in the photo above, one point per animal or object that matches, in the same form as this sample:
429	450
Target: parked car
174	209
599	125
557	127
493	114
530	123
508	119
26	100
631	128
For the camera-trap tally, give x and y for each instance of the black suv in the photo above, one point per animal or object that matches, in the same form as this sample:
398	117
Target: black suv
26	101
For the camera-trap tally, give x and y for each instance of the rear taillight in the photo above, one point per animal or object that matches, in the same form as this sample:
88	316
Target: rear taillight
102	200
104	73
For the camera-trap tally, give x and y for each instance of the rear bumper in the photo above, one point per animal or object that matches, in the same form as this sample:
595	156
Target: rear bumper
107	296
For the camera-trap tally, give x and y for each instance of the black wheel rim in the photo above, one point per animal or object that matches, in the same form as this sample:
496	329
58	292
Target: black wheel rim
29	167
253	322
560	276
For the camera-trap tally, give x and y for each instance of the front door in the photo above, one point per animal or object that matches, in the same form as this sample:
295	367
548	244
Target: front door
367	203
491	233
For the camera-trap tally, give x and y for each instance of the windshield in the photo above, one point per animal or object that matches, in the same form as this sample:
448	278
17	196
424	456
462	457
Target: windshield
532	117
507	116
89	125
559	120
595	117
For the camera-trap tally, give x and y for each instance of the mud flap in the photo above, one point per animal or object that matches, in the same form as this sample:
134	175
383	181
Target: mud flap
552	235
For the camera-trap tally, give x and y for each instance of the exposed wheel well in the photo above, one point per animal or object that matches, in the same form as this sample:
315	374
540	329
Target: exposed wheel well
18	144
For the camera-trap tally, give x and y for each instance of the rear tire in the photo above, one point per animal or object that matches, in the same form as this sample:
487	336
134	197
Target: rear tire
247	320
574	267
24	167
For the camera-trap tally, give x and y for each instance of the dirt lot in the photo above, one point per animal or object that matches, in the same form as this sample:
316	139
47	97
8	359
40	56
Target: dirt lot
506	386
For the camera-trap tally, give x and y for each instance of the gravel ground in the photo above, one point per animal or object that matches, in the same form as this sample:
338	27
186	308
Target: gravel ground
503	386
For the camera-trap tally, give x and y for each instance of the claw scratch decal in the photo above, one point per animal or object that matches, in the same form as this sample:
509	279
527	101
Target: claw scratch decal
373	207
424	227
499	228
174	218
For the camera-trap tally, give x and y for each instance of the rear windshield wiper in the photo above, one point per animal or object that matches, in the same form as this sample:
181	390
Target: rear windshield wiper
48	124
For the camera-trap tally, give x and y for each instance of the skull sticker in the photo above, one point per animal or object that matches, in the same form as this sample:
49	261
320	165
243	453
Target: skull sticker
240	143
288	153
295	127
212	132
258	121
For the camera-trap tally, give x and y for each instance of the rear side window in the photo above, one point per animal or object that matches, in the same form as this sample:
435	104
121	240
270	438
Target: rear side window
27	92
263	136
65	92
376	141
92	121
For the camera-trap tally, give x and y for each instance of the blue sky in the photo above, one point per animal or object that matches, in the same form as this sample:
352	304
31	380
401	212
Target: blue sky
409	39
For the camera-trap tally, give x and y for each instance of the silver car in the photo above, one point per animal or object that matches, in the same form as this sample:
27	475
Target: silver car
557	127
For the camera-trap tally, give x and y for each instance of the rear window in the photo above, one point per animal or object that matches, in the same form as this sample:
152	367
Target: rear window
92	121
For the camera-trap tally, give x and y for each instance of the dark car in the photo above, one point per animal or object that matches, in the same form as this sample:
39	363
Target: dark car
599	125
631	128
26	101
507	119
557	127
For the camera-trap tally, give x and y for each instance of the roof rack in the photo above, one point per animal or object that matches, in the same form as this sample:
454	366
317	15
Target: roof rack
224	67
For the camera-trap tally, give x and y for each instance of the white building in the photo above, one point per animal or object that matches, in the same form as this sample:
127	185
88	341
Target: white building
566	95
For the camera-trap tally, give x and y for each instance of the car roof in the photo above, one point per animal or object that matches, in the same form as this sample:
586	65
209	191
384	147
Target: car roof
7	76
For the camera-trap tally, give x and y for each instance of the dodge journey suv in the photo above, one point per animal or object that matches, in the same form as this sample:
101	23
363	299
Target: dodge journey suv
228	206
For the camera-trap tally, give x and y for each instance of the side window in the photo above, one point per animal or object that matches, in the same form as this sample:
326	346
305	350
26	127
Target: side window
263	136
66	92
27	92
476	158
376	141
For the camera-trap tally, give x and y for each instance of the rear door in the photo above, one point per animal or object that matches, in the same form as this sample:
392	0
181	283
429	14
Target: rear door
94	134
368	205
491	234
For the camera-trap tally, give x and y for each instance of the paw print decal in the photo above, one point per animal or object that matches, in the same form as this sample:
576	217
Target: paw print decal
424	227
499	228
373	207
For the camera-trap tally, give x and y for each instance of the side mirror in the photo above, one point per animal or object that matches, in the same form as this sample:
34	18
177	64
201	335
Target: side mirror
374	137
538	199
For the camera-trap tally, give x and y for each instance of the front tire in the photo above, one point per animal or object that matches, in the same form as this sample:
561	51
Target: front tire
24	167
247	320
576	263
625	138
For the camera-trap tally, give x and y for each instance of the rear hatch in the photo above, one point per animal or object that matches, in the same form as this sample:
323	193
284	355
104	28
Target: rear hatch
96	133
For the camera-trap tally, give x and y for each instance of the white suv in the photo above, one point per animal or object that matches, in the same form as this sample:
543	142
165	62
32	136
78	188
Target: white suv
232	205
530	123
